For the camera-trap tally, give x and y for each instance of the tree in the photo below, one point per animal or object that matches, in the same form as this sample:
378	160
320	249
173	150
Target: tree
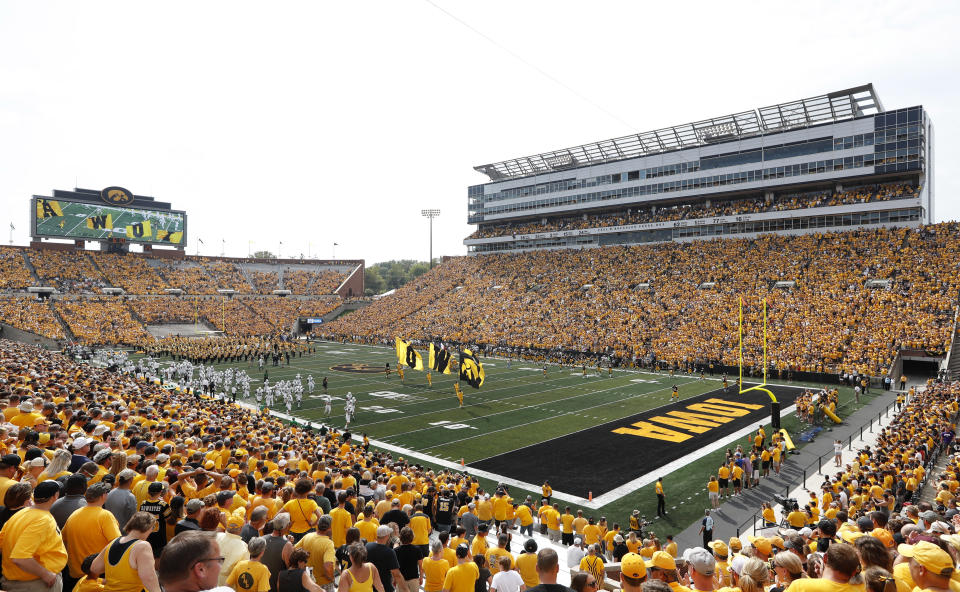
390	275
263	255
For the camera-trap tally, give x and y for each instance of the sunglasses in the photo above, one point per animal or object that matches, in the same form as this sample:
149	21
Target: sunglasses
592	584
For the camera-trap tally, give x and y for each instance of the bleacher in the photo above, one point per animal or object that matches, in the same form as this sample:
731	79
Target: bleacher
589	302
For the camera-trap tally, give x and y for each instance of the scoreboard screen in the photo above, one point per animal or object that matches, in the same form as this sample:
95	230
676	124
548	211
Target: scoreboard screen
59	218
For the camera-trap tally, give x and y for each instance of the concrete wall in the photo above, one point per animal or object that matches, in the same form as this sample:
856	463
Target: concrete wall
13	334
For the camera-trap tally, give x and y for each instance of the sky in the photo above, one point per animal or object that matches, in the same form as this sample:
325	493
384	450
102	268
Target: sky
315	123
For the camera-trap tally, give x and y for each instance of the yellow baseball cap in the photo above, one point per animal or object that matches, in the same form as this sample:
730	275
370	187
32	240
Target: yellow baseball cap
720	548
851	535
235	521
930	556
777	542
663	560
761	544
885	536
735	544
633	566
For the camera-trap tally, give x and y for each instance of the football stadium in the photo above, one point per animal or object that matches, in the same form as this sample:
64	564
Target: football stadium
714	355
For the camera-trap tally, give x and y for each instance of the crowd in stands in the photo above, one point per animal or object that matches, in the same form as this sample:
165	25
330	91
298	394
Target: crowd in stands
298	281
101	321
192	279
97	466
233	317
590	301
29	314
14	274
226	276
265	282
700	209
155	311
327	281
129	271
67	271
88	271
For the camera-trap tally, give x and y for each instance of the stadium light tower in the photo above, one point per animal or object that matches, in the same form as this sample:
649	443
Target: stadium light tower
430	214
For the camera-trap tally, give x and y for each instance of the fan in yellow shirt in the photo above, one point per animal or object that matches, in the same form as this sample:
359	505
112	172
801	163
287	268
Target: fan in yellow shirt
435	568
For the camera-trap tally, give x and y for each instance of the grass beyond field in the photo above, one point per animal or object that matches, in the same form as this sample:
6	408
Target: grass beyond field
516	407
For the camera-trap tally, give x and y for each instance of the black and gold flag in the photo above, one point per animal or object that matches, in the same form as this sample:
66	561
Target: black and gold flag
407	355
439	359
471	370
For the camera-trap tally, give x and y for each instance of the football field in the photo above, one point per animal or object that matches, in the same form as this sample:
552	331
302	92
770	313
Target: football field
590	435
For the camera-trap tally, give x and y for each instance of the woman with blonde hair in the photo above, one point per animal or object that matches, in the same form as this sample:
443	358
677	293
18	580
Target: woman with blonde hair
632	543
753	575
787	567
57	467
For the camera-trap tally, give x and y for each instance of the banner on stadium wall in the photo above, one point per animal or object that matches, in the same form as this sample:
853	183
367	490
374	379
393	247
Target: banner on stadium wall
314	321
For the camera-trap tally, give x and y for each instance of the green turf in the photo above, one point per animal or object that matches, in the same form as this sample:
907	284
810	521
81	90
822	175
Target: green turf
514	408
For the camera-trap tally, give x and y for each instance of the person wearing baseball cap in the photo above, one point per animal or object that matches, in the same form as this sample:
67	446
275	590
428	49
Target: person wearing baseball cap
8	468
663	567
31	535
721	554
702	567
232	547
80	448
633	572
762	547
930	566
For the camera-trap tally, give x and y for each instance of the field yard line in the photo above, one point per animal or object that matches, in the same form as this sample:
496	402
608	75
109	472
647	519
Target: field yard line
503	399
544	419
381	380
597	502
372	399
576	431
630	487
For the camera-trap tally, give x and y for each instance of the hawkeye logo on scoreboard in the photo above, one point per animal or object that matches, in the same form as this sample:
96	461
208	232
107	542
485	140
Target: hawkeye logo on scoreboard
358	368
116	196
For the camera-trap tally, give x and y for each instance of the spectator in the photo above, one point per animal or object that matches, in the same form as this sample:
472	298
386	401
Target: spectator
127	562
190	562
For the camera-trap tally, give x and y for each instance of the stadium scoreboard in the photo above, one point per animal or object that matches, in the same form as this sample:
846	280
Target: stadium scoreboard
113	215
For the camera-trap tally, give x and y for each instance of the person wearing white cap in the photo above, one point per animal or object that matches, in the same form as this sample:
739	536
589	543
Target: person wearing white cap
702	567
575	553
80	448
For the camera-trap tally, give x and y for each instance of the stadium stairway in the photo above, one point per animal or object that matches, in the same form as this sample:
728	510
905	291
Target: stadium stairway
66	327
96	266
954	367
928	492
136	316
280	278
736	512
249	280
33	270
313	280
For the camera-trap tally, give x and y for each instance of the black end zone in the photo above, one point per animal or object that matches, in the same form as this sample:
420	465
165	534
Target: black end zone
604	457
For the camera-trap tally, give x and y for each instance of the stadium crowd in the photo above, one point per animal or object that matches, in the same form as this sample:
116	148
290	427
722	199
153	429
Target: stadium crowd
29	314
703	209
110	482
678	304
67	271
14	274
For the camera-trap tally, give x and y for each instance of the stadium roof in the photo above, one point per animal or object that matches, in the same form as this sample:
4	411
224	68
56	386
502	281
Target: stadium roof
836	106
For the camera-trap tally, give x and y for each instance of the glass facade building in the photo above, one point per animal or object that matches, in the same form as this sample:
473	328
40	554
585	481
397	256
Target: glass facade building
836	161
